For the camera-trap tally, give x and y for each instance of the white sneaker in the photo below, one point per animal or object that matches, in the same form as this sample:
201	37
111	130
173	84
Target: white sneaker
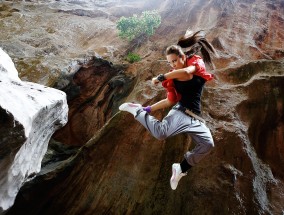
176	175
130	107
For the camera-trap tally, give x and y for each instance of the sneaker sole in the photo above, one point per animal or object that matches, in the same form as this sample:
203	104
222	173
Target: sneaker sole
173	176
123	106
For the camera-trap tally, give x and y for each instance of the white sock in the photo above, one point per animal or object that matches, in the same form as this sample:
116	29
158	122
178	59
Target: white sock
130	107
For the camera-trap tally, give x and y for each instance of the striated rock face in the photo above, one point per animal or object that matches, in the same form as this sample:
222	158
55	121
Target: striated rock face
30	113
122	169
250	96
93	97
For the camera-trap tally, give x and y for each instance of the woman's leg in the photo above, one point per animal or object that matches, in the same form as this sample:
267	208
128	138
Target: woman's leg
202	137
174	123
177	122
171	125
204	143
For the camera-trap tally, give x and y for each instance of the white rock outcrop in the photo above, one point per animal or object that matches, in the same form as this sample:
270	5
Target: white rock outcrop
29	114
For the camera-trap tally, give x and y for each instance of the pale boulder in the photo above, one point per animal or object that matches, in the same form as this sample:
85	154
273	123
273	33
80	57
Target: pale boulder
29	114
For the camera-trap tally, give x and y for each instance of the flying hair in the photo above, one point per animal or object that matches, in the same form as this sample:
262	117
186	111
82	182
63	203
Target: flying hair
197	42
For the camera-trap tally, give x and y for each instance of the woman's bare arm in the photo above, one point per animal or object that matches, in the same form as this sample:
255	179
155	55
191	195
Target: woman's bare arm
183	74
162	104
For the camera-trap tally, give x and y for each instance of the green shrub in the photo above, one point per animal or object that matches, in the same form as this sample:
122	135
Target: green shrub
132	57
132	27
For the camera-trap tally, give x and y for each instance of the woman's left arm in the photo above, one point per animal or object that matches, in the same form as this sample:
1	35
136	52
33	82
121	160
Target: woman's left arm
183	74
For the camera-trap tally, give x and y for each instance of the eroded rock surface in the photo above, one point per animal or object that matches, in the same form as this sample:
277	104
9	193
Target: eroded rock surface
123	169
30	113
94	94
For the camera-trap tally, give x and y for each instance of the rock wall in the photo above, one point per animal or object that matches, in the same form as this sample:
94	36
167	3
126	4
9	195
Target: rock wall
122	169
93	95
30	113
127	171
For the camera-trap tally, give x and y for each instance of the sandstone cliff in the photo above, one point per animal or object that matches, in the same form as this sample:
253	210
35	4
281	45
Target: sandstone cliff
30	113
122	169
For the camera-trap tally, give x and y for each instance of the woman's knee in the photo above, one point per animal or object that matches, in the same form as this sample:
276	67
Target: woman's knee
160	136
210	145
161	132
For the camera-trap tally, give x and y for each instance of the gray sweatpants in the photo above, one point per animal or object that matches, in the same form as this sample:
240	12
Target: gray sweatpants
178	122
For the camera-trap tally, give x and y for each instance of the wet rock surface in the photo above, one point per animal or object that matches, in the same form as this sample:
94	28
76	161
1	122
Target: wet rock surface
122	169
30	113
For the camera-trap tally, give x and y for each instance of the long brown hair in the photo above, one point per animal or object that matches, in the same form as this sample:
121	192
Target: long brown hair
197	42
174	49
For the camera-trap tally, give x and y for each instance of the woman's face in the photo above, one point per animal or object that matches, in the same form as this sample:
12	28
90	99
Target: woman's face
176	61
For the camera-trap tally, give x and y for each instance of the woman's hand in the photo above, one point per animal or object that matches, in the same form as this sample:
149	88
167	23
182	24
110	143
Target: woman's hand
155	81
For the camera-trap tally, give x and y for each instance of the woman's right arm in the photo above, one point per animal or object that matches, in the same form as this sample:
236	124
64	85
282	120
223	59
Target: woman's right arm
162	104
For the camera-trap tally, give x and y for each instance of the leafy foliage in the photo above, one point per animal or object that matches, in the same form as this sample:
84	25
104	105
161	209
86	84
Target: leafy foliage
132	27
131	57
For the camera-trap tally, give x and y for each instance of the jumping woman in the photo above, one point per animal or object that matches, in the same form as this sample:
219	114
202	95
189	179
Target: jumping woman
184	85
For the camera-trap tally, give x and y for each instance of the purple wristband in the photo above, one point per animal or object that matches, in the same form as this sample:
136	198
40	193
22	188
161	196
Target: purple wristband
147	109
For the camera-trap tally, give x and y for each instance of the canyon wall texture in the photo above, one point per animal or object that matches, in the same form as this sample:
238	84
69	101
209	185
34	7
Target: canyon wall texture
105	162
30	113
